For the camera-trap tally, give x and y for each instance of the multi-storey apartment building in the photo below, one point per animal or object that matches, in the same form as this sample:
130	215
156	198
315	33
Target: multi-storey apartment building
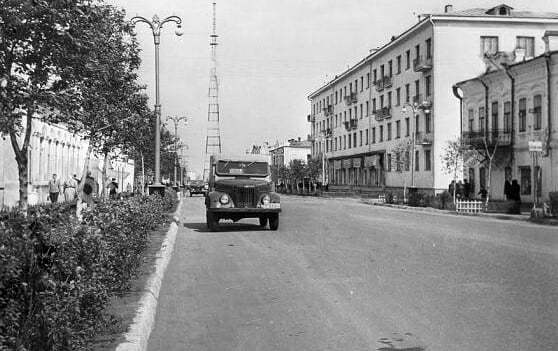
397	104
505	109
293	149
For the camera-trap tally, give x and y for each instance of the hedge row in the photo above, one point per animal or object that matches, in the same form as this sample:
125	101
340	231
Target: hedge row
57	275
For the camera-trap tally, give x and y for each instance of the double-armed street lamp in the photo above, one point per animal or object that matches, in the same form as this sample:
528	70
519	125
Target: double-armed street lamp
416	108
176	120
156	24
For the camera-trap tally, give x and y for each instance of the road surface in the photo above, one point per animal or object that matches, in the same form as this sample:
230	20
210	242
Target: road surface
342	275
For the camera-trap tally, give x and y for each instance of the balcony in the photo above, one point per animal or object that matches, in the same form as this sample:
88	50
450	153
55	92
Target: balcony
328	133
388	82
422	138
328	110
417	99
489	138
311	118
382	113
351	124
351	98
421	64
379	85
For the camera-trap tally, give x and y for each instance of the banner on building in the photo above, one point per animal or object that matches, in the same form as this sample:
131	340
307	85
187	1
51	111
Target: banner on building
347	163
371	161
356	162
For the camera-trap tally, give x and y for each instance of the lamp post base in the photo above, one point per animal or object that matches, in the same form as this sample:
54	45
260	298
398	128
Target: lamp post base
157	189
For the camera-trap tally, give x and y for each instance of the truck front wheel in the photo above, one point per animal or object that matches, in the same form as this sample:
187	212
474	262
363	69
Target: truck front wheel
211	221
274	221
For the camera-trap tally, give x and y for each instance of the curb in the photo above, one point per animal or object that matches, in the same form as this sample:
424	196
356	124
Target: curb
138	333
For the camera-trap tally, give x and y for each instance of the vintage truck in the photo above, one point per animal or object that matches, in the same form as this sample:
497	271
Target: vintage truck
241	187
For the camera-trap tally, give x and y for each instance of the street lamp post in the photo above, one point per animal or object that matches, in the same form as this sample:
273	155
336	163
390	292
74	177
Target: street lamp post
156	24
176	120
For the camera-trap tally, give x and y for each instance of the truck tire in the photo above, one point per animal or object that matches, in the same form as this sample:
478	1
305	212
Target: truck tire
263	221
274	221
212	222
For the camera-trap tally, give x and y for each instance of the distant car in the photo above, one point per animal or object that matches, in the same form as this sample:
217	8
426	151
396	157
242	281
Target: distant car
240	187
198	187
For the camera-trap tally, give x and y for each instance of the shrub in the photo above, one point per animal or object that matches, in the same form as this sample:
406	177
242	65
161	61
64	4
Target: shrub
56	274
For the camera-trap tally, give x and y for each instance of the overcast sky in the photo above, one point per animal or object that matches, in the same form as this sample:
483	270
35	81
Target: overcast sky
271	55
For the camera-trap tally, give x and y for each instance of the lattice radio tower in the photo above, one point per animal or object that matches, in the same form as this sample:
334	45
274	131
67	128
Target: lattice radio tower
213	136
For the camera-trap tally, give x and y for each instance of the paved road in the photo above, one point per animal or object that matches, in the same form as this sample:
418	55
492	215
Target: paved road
341	275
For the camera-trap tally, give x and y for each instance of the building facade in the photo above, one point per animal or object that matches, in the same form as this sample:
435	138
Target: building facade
385	121
505	110
294	149
53	149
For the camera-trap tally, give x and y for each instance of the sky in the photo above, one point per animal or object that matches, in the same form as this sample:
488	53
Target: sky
271	55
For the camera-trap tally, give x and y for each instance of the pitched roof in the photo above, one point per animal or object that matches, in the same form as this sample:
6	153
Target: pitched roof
481	12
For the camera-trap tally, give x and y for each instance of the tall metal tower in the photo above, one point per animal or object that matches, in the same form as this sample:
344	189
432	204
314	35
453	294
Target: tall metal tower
213	136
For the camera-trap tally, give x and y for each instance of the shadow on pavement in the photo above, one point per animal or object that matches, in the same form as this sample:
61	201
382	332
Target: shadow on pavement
225	227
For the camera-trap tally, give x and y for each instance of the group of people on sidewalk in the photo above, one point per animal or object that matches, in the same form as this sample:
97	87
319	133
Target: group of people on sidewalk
69	188
465	190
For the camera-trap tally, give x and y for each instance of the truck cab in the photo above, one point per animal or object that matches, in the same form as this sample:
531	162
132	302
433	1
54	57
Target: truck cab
241	187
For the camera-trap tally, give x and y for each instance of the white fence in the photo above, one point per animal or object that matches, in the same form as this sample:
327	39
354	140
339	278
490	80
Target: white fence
469	207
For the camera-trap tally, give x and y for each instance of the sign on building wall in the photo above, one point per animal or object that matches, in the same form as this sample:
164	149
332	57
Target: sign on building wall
535	146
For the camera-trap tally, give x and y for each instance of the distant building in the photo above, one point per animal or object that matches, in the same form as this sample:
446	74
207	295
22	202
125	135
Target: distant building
505	109
402	94
262	149
293	149
53	149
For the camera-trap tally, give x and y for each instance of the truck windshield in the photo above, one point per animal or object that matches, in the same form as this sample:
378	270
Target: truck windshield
245	168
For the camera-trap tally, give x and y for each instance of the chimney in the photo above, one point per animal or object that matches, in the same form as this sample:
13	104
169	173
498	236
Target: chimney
550	39
448	8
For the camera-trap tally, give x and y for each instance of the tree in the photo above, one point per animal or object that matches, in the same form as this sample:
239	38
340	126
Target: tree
296	168
455	156
40	41
313	169
401	158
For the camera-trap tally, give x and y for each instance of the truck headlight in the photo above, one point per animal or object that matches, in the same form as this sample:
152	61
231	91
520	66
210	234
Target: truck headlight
224	199
265	199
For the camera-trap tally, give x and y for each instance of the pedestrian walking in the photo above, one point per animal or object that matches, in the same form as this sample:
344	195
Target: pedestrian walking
507	189
113	187
459	190
483	193
54	188
466	189
70	187
515	196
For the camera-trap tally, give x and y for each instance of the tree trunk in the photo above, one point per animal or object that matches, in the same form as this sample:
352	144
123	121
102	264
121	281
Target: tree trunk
82	180
104	176
489	180
142	174
22	160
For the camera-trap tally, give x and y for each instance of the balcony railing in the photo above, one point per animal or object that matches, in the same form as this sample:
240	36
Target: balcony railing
351	124
379	84
490	138
421	64
422	138
388	82
328	133
328	110
351	98
382	113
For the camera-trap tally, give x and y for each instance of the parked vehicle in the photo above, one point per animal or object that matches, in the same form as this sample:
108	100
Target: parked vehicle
198	187
241	187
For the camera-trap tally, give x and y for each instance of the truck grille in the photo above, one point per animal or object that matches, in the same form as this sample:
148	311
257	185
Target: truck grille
244	197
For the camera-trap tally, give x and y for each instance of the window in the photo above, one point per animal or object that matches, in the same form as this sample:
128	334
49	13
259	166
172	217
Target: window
345	90
375	74
427	161
399	64
350	88
360	138
428	48
373	105
367	137
481	119
354	139
407	126
407	160
417	124
528	44
482	177
507	117
374	135
537	112
367	80
427	123
417	52
381	101
389	162
390	64
494	112
350	139
335	144
397	96
407	93
471	120
381	133
427	86
398	129
361	83
344	142
408	59
522	114
525	179
367	108
389	131
382	72
489	45
417	161
417	89
335	98
389	99
361	113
